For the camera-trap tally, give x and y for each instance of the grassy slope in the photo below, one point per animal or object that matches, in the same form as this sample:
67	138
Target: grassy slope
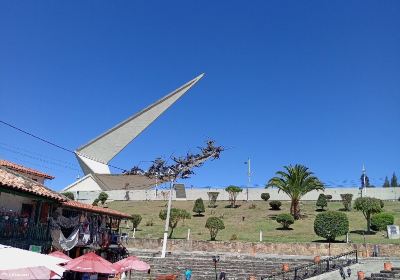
256	219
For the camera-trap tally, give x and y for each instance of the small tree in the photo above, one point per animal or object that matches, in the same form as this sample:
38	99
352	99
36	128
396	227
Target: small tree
214	224
212	198
386	184
322	201
198	206
265	196
135	219
285	220
175	216
393	181
368	206
96	202
346	199
331	224
233	192
70	195
103	197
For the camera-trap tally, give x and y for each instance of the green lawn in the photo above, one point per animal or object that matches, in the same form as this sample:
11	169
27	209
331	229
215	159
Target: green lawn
260	218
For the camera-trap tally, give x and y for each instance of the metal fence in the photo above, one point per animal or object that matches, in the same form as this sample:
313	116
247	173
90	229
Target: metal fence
22	234
311	270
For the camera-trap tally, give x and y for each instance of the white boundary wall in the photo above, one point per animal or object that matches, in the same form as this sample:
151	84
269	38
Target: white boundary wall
250	194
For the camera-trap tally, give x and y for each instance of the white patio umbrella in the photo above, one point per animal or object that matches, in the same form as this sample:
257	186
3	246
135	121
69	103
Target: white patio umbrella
15	258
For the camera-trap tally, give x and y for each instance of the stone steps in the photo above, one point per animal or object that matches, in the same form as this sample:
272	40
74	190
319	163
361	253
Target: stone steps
202	266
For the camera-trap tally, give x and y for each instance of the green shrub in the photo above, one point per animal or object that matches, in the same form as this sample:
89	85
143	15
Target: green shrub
275	205
328	196
135	219
285	220
234	237
265	196
214	224
70	195
346	199
380	221
198	206
150	223
331	224
322	201
381	203
96	202
103	197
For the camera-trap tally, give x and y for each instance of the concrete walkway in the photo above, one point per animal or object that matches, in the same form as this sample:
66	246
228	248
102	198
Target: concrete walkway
372	265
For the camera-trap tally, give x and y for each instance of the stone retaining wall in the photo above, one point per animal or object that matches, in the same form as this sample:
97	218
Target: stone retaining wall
253	248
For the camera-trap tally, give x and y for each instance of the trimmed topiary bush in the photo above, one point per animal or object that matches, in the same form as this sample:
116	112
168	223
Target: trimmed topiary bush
103	197
95	202
328	196
346	199
135	219
331	224
322	201
214	224
198	207
380	221
285	220
275	205
265	196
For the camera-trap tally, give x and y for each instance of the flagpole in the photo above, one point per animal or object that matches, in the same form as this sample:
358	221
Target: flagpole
364	179
249	177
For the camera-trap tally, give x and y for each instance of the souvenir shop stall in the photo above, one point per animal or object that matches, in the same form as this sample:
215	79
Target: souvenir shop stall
78	231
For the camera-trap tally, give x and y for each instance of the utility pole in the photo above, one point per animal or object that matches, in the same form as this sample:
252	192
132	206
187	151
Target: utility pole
166	229
248	177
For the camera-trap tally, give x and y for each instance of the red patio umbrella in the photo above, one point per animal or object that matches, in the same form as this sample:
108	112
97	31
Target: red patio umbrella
60	255
131	263
91	262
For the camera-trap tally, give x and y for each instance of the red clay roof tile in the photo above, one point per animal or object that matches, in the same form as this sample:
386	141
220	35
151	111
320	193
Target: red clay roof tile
95	209
13	180
24	169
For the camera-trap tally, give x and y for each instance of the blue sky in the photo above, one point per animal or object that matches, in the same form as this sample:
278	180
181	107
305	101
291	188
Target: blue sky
311	82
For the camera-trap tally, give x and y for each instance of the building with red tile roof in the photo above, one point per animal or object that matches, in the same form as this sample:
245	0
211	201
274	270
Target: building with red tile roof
29	172
94	209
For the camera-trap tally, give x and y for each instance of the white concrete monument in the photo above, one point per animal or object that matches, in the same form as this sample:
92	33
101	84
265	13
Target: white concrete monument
95	156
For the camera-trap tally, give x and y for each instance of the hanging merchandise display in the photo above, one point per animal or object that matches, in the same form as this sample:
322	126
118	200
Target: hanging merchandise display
70	242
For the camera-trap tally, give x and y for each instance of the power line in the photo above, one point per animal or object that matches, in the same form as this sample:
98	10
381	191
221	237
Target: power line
53	144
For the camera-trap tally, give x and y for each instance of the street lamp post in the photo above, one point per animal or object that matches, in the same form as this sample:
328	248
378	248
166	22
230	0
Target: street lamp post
215	260
164	247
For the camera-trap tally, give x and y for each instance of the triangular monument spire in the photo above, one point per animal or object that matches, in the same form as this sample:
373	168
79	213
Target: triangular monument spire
95	155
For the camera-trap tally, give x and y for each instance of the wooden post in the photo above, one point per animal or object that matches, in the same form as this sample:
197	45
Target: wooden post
188	234
261	235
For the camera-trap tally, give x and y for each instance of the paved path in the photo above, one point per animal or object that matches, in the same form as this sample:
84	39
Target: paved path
367	265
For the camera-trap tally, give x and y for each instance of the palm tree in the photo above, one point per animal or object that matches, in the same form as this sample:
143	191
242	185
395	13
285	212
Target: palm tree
295	181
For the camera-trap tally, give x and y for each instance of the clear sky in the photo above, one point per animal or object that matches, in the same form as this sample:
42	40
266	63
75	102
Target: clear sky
311	82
